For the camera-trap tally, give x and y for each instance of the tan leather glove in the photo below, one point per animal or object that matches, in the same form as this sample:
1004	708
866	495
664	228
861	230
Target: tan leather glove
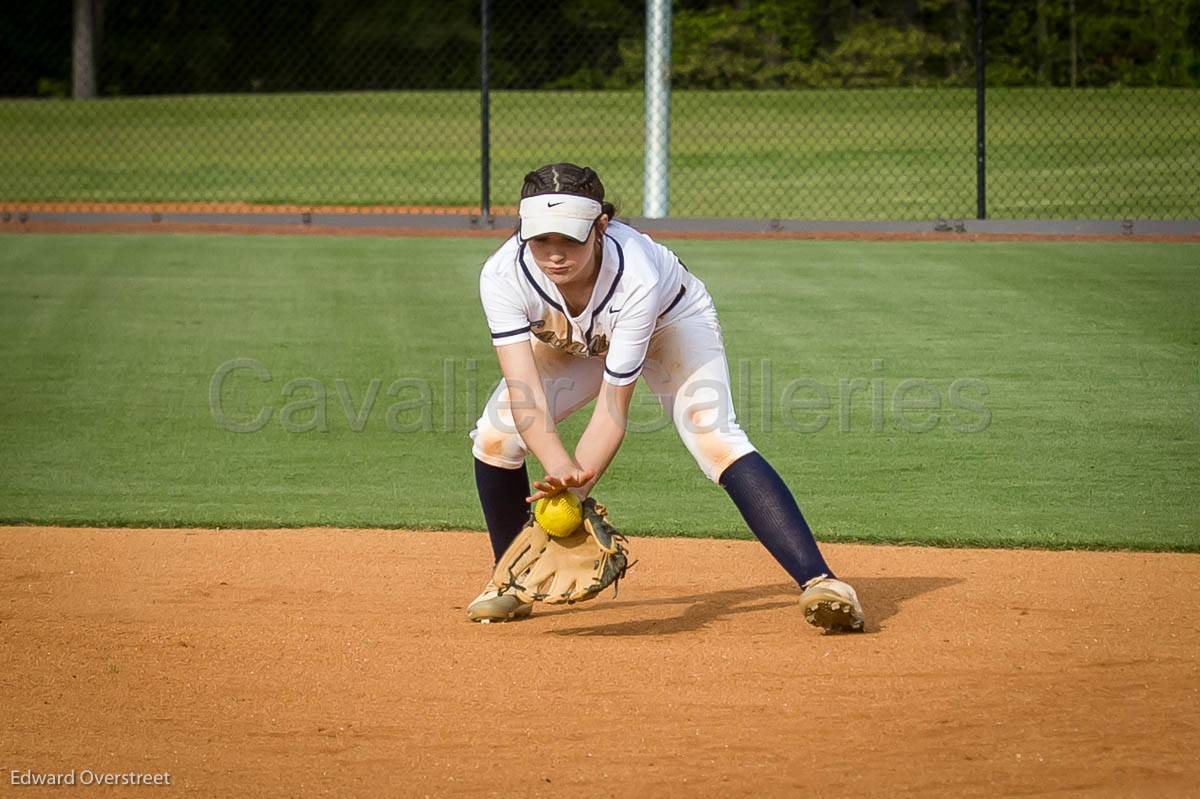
573	568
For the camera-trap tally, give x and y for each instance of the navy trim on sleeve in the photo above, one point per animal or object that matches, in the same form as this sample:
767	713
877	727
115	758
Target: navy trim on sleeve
611	289
620	375
674	302
506	333
534	283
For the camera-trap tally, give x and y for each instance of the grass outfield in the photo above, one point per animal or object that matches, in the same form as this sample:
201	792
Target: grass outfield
887	154
1087	434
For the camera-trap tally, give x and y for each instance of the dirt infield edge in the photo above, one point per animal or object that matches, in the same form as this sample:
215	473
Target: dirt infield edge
460	222
168	227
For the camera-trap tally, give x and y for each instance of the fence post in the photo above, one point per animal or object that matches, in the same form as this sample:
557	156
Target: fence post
83	51
655	190
485	147
980	134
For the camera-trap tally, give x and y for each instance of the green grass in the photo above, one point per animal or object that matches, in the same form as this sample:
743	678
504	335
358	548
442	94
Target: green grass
869	154
1090	355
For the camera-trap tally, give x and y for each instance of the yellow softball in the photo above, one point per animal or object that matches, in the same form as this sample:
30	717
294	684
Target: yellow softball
558	515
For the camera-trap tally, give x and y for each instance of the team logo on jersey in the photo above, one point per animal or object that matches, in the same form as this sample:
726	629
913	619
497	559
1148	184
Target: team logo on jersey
562	337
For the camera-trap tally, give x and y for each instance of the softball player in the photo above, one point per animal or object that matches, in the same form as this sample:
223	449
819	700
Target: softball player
579	307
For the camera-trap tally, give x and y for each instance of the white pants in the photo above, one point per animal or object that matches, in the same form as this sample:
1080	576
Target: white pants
686	370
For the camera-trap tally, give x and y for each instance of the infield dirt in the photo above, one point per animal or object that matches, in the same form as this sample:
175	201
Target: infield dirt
323	662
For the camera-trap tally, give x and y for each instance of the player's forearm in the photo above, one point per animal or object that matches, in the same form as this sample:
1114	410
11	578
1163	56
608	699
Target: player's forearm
596	454
599	443
540	434
530	411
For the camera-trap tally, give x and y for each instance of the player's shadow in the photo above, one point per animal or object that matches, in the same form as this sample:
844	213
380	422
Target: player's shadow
882	598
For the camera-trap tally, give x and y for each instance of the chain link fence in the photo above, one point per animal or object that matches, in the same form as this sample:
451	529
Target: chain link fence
846	110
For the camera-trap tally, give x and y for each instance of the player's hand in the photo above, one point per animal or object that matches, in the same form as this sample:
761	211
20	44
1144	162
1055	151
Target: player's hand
554	484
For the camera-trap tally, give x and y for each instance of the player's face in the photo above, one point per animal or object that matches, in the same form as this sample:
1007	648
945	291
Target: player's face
563	259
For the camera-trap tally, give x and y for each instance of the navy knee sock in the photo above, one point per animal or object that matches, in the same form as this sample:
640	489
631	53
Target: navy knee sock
502	494
773	516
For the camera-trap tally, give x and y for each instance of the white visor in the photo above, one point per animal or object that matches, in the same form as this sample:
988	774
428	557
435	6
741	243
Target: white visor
567	214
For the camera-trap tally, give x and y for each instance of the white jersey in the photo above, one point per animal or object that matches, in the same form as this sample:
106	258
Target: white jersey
642	287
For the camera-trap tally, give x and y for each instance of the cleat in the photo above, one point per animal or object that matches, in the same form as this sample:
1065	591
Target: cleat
490	606
832	605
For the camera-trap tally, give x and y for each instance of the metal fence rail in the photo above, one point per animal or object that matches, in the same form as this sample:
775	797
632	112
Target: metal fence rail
378	104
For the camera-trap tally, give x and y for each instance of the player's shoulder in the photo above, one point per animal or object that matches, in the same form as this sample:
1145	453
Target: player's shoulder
636	246
642	256
630	237
503	261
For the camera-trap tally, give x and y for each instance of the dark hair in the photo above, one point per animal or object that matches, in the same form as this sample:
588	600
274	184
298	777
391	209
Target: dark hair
582	181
